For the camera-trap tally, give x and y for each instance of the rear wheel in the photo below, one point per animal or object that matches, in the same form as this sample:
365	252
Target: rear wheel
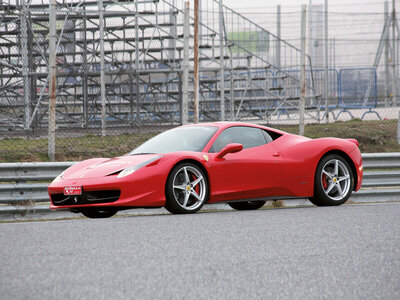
186	190
98	214
248	205
334	181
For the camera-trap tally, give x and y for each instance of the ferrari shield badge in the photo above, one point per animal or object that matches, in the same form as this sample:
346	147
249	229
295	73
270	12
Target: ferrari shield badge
205	157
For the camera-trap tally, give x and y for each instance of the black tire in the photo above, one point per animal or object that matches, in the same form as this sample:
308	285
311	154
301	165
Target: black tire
248	205
186	189
98	214
334	181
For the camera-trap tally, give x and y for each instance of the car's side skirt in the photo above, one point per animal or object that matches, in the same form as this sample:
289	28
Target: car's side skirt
265	199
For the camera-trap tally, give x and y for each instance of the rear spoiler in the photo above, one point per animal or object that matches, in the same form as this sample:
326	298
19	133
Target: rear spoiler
353	141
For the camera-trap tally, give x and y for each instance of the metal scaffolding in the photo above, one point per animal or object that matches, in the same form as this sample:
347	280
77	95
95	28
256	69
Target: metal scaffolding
120	64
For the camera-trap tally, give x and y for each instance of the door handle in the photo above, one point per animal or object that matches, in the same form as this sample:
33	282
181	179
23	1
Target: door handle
276	154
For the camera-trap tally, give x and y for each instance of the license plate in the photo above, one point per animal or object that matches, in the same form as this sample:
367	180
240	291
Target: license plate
73	190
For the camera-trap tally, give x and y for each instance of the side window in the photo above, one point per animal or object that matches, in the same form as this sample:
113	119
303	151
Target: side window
267	136
272	135
247	136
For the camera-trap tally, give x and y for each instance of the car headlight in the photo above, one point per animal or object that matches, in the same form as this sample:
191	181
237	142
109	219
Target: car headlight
132	169
59	177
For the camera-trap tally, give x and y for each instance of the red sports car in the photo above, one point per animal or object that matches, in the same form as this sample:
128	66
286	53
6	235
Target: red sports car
183	168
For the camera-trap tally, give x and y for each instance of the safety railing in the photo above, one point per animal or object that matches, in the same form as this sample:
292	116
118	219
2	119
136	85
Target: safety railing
358	90
27	182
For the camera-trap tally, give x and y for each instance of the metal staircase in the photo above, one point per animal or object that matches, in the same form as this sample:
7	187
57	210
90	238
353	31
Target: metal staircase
143	66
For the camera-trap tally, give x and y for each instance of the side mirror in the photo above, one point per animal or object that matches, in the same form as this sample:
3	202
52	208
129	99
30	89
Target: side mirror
230	148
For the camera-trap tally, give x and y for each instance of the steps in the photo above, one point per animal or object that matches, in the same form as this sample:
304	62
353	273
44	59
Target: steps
250	73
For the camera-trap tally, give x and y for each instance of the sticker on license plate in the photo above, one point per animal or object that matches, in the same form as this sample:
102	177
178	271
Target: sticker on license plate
73	190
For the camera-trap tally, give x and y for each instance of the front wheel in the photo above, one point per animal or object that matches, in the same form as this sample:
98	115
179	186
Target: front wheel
248	205
186	190
334	181
98	214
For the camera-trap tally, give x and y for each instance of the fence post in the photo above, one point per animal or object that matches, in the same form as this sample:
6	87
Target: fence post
102	76
398	129
394	58
278	35
221	59
172	33
386	54
85	77
231	92
310	29
137	77
326	81
52	83
185	84
303	70
196	63
25	65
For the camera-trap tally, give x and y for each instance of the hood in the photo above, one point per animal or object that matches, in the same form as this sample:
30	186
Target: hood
108	166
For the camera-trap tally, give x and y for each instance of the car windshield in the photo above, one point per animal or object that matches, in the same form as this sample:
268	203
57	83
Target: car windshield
192	138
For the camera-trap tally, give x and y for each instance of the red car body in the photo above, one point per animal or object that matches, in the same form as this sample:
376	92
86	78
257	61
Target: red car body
282	169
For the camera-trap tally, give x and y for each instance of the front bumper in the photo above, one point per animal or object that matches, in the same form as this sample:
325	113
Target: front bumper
87	197
109	191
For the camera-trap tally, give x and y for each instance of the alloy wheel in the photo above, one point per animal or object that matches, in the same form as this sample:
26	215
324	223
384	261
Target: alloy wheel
189	187
335	179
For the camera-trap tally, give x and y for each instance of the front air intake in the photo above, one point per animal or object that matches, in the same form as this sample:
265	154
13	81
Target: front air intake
89	197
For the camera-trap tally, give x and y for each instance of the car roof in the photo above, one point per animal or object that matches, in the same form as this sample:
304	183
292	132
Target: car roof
226	124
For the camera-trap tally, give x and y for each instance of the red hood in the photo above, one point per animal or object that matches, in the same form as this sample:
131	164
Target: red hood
106	167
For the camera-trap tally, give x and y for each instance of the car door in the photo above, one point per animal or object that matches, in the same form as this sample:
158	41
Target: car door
253	172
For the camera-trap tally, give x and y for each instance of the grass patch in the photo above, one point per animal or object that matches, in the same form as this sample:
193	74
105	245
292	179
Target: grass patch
373	136
71	148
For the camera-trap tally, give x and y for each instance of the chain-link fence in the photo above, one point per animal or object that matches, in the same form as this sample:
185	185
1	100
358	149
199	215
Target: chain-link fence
250	72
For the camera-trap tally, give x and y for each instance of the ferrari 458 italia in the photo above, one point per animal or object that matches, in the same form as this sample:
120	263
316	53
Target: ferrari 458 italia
241	164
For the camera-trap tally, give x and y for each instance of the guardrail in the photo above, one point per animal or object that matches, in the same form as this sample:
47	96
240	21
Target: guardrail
23	183
32	171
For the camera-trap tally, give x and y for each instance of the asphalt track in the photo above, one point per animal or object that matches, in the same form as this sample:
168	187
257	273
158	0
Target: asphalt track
346	252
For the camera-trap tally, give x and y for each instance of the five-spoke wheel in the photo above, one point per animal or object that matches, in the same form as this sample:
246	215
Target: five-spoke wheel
187	189
333	181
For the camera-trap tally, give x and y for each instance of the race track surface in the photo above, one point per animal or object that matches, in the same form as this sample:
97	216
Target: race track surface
346	252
